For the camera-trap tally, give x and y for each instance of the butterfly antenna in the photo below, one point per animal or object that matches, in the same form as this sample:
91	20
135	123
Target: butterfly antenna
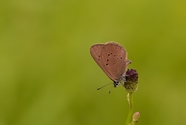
111	89
104	86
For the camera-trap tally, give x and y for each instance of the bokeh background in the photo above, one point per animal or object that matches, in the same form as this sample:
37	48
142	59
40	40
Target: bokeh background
47	76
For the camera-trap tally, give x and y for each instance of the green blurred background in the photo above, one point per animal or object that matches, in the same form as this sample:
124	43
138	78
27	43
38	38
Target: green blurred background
47	76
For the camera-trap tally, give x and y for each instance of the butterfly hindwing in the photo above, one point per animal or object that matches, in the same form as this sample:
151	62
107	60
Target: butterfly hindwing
96	51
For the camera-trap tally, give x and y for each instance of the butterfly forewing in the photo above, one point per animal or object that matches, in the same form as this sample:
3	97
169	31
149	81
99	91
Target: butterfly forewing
114	58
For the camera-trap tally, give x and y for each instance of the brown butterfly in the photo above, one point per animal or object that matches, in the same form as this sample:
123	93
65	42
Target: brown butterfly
112	59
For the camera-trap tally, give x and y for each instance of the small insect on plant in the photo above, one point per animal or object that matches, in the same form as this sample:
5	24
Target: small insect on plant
112	59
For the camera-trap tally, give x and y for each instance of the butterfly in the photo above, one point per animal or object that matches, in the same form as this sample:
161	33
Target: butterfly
112	59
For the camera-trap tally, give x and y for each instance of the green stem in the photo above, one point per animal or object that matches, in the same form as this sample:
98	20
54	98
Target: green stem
133	123
130	101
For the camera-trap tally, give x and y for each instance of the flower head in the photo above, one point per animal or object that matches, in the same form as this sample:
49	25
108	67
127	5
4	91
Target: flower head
131	80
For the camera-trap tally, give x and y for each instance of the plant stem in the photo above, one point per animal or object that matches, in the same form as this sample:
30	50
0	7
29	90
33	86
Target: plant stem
132	123
130	101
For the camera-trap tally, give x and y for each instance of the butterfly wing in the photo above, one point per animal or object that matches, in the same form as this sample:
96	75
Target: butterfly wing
95	52
114	60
